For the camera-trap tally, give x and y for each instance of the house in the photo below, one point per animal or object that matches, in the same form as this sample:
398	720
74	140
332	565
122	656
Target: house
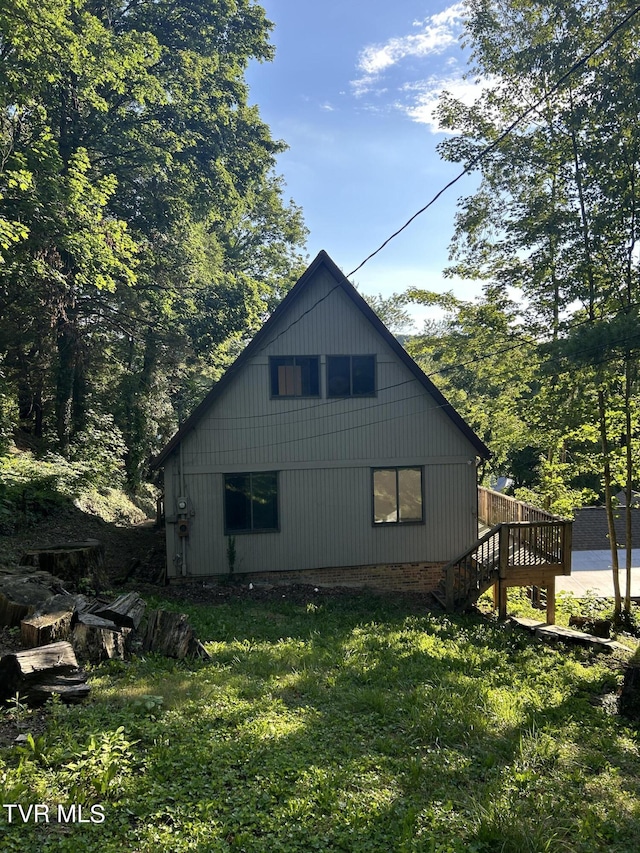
323	455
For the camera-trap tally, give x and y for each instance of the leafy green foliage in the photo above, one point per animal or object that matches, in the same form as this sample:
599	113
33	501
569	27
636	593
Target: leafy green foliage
142	227
342	724
31	488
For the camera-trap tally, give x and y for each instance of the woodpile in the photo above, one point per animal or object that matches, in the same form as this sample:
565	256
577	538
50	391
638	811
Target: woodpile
58	628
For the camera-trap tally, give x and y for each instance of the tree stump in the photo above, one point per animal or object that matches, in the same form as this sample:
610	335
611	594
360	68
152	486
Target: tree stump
171	634
36	674
77	563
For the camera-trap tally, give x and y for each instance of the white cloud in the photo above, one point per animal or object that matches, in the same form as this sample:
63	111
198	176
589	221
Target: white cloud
437	33
380	66
423	104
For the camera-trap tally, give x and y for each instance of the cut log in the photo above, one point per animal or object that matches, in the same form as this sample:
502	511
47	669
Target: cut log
92	620
74	562
70	688
127	610
171	634
53	620
38	630
20	596
96	639
57	603
28	672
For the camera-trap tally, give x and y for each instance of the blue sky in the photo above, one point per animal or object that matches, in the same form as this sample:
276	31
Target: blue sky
351	91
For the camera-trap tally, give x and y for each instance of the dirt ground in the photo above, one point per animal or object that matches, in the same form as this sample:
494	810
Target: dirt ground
135	559
130	549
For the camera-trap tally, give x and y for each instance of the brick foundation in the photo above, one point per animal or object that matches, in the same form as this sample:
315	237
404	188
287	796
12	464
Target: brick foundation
400	577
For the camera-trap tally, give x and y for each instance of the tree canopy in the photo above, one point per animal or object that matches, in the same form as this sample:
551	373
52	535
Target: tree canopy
555	218
143	231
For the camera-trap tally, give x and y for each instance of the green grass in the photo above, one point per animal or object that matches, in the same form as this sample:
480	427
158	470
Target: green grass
347	725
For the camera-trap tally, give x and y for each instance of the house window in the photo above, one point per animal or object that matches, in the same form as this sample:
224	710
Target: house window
250	502
397	496
351	375
295	376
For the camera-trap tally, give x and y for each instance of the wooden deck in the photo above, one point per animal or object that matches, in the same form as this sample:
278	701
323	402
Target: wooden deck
517	545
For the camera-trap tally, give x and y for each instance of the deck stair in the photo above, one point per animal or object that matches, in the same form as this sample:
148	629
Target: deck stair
525	547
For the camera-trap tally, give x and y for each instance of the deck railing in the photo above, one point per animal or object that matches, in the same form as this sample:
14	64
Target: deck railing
521	538
494	508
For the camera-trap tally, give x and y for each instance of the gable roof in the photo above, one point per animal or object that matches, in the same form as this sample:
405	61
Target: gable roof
321	260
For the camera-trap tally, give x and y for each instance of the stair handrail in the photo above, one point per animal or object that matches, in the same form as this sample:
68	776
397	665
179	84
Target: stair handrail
462	558
478	566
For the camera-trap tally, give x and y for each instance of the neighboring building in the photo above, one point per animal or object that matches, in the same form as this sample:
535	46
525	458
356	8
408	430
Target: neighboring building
323	455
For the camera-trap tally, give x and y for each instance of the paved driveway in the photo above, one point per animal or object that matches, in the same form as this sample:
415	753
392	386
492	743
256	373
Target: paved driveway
591	570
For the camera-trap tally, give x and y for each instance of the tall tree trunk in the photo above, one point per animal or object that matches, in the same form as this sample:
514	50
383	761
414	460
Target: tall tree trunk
628	483
609	504
137	428
67	347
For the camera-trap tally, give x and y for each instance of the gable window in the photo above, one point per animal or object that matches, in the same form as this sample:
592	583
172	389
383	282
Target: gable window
397	496
351	375
251	502
295	376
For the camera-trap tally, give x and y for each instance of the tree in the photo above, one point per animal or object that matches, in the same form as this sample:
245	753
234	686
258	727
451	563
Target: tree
141	223
484	360
556	212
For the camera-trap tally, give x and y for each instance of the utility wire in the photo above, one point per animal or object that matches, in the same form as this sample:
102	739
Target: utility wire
372	423
489	148
444	369
478	158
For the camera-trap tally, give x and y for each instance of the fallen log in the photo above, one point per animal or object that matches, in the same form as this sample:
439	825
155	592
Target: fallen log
35	674
127	610
170	634
74	562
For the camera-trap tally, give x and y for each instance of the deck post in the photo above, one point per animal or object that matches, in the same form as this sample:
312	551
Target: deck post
567	536
504	550
496	595
449	590
502	599
551	602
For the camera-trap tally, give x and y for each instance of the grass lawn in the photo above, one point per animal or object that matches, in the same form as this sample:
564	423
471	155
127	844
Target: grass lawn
344	724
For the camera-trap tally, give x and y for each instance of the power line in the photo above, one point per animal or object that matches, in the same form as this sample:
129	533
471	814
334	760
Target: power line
321	404
489	148
373	423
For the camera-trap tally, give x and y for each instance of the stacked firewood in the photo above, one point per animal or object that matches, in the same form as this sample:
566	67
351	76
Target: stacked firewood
60	629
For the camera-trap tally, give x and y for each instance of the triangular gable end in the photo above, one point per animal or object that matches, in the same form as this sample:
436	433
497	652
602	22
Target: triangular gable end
260	339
